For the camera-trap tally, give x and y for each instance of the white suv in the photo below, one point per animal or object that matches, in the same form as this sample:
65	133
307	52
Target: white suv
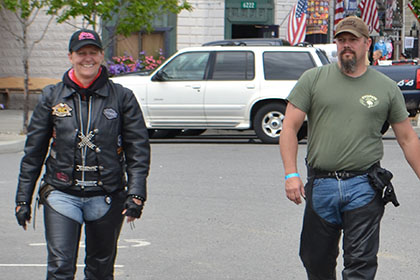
223	87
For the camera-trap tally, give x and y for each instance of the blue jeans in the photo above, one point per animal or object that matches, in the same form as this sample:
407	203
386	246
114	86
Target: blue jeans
77	208
332	197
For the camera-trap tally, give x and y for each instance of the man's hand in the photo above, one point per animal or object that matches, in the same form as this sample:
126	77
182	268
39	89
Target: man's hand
295	189
23	215
133	208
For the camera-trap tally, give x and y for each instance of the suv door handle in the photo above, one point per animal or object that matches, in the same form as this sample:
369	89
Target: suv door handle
250	86
196	86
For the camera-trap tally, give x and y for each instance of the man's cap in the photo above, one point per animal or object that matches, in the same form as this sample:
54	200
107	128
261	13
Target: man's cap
83	38
353	25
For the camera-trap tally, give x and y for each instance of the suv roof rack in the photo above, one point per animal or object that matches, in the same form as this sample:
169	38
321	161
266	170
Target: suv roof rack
249	42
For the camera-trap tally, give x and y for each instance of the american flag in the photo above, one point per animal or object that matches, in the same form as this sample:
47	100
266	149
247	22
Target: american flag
339	12
370	14
297	23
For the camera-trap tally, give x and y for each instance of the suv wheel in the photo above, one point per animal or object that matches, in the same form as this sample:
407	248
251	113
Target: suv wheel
268	123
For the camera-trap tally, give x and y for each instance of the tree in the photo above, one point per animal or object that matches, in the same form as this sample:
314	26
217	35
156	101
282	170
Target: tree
25	11
415	7
130	15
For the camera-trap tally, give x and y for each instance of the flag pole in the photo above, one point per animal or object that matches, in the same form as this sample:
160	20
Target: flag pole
286	17
332	19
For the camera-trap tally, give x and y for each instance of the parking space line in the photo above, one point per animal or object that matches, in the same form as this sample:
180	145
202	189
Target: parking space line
41	265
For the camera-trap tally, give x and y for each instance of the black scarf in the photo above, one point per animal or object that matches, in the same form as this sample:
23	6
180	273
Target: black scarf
86	92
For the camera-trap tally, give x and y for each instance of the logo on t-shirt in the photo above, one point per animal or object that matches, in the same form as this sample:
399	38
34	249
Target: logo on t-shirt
369	101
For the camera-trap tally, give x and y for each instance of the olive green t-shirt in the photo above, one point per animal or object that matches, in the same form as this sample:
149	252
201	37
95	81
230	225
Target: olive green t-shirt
345	116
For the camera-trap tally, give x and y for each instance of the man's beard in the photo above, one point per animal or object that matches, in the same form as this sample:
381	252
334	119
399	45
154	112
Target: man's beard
348	65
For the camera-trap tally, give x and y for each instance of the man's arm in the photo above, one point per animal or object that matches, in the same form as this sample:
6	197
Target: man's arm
288	150
409	142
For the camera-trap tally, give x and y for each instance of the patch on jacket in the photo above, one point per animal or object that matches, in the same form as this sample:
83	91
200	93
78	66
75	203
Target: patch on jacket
62	110
110	113
62	176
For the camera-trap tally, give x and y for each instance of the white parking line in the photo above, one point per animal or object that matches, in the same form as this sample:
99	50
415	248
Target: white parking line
40	265
133	243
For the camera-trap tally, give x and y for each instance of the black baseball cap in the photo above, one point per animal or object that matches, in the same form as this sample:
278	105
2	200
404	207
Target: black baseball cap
83	38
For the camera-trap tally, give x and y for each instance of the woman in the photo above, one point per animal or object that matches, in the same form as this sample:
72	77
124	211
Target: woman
97	164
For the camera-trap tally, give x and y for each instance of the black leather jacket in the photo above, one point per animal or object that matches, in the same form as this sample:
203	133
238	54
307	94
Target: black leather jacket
117	153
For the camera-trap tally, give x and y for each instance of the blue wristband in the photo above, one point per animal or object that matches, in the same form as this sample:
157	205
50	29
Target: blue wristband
291	175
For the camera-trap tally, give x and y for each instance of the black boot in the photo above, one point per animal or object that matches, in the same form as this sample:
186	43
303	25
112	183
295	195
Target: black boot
62	235
101	242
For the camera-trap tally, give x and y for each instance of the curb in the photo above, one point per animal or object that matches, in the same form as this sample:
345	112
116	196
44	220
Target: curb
12	146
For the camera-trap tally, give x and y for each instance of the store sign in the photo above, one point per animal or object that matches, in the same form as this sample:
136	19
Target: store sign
248	5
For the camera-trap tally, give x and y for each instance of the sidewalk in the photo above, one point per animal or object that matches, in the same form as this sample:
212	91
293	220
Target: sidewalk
11	123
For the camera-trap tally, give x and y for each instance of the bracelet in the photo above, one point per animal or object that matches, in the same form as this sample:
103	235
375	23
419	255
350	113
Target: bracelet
291	175
137	197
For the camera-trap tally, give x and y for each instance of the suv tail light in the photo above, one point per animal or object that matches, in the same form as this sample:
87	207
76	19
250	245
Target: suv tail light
418	79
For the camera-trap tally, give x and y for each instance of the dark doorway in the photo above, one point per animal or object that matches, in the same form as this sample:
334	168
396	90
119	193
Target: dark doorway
254	31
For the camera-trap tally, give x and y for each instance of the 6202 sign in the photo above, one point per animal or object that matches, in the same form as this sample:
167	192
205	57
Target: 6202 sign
248	5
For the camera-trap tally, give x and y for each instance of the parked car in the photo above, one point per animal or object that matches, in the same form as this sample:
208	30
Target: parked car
407	76
330	50
223	87
249	42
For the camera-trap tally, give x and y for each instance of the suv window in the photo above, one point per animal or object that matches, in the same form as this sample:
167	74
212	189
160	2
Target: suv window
286	65
186	67
233	66
323	56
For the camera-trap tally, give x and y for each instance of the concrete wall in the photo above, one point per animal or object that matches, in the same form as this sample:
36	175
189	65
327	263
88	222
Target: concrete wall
48	58
205	23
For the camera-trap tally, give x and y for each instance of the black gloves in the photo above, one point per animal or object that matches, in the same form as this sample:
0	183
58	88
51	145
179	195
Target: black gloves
23	215
133	209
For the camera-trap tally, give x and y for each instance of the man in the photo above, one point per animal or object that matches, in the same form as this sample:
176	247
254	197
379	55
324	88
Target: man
346	104
376	56
97	164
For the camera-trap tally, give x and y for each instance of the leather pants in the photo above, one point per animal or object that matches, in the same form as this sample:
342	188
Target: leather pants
63	236
320	239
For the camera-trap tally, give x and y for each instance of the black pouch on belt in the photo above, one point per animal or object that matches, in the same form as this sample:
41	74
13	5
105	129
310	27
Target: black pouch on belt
380	179
44	191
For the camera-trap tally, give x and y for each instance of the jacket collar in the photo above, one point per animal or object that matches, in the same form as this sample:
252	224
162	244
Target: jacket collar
97	87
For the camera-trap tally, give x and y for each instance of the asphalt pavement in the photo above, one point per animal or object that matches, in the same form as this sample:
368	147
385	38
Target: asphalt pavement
215	210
